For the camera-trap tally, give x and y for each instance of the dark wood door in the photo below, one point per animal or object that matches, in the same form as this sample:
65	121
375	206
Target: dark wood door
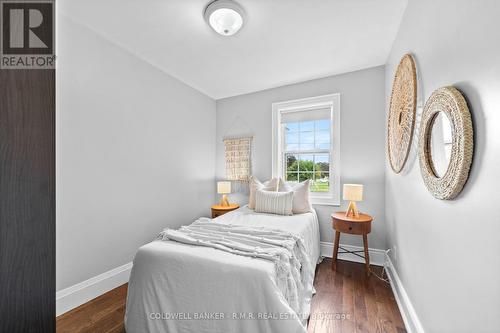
27	200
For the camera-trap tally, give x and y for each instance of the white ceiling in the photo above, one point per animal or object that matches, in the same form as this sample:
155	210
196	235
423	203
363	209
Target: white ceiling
282	41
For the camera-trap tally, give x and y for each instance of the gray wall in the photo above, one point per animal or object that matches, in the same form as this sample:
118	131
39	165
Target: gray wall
446	252
135	153
362	151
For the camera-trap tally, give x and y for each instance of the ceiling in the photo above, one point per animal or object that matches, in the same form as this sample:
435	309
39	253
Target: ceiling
282	41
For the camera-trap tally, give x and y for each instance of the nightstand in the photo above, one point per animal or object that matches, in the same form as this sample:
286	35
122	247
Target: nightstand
361	225
218	210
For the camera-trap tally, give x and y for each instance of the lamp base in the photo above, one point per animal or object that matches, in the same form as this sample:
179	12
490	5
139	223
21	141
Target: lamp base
224	201
352	210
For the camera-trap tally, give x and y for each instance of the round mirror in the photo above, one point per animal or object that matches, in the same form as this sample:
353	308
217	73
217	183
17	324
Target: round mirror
446	143
441	141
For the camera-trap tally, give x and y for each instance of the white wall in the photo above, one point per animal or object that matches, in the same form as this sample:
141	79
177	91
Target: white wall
362	106
135	153
447	252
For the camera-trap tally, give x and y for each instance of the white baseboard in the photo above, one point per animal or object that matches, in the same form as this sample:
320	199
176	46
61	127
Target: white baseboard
406	308
80	293
377	257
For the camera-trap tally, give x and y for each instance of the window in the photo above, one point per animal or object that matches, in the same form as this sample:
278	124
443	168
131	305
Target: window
306	145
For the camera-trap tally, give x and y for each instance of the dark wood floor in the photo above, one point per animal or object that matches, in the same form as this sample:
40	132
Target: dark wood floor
352	302
346	301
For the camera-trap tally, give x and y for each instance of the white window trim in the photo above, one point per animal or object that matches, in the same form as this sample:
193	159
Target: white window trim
333	102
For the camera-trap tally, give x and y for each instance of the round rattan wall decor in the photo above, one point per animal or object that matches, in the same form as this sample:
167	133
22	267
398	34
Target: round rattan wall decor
451	102
402	113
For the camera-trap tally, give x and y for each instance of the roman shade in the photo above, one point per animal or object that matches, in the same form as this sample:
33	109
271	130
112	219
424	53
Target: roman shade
306	115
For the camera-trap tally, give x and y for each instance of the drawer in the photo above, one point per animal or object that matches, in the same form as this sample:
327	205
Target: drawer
349	227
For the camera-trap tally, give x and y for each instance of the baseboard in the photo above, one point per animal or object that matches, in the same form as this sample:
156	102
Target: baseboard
406	308
80	293
377	257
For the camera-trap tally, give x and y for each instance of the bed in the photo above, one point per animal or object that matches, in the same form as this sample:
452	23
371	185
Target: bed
176	287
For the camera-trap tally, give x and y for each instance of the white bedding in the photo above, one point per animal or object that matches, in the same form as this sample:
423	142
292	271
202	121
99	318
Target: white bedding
177	287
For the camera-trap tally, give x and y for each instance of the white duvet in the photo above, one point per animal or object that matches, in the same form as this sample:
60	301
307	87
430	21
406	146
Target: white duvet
177	287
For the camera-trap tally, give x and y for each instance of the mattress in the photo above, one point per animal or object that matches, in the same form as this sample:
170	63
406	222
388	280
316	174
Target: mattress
177	287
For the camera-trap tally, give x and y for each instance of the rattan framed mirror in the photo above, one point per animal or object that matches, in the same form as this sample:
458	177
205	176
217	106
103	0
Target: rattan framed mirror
446	103
402	113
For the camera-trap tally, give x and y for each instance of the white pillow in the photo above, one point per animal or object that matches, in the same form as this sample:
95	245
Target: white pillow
301	201
255	184
274	202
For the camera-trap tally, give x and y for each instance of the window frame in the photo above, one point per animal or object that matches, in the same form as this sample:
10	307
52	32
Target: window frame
331	101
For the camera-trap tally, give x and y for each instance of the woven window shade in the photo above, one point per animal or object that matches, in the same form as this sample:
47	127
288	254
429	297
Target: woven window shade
238	158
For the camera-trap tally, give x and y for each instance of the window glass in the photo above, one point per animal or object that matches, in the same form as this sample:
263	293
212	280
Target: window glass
313	138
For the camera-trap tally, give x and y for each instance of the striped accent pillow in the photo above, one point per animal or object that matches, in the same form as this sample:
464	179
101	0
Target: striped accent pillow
255	184
280	203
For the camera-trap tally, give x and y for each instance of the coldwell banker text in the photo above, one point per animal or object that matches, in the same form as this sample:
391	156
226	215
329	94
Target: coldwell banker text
27	35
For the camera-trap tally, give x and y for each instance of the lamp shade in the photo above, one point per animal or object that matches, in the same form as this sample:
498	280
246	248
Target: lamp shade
223	187
353	192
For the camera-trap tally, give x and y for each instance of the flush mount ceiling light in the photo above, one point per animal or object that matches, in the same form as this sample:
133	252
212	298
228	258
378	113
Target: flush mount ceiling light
225	17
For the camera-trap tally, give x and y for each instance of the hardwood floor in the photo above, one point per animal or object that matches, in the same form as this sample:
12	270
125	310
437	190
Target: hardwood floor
346	301
103	314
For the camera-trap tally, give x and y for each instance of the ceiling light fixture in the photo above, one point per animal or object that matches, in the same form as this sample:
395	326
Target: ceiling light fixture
224	16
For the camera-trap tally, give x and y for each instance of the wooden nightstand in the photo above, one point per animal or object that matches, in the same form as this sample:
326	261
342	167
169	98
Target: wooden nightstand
218	210
361	225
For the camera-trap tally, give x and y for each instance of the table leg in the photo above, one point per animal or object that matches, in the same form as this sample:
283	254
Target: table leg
335	249
367	257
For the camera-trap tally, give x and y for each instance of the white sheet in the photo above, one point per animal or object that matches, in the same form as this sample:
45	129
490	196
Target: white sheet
177	287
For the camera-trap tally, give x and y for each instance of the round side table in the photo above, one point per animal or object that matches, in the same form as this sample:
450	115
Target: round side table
218	210
361	225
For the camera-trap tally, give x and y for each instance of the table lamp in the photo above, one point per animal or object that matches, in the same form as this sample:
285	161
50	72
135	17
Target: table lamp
224	188
353	193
